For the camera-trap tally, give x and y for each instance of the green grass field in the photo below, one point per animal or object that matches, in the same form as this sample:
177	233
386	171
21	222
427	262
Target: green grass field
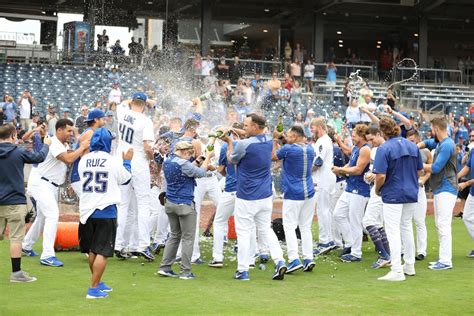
332	288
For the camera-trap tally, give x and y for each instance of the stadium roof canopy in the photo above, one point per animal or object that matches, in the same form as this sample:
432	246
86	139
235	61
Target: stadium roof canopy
447	14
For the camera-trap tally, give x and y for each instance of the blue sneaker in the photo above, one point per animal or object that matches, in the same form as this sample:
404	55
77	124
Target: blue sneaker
147	254
350	258
29	253
440	266
294	266
323	249
280	270
93	293
381	262
187	276
156	248
198	261
170	273
345	251
308	265
264	258
104	288
242	276
52	262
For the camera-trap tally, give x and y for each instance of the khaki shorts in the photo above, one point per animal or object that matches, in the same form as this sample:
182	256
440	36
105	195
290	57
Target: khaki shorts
14	216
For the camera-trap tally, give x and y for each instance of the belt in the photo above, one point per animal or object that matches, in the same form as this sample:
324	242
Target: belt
47	180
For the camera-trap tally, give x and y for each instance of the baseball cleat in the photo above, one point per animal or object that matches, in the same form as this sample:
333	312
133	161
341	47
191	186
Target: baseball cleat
170	274
52	262
380	263
280	270
294	266
350	258
187	276
104	288
308	265
393	276
29	253
216	264
409	269
440	266
147	254
242	276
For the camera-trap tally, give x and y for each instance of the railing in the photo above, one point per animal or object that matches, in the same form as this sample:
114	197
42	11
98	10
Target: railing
429	74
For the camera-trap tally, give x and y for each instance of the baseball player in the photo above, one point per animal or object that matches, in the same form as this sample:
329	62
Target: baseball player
350	207
397	167
95	119
419	217
443	182
373	217
253	205
48	176
298	200
468	213
100	176
136	131
325	182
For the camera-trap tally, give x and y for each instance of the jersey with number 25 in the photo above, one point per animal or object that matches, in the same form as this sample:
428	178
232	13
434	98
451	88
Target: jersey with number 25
134	128
100	176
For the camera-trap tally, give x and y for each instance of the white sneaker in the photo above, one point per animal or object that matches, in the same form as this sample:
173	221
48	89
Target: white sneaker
409	269
393	276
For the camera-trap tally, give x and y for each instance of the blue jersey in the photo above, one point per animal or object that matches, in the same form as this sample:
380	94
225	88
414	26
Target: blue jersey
443	152
253	157
296	179
180	174
74	170
470	164
339	161
400	160
356	184
230	177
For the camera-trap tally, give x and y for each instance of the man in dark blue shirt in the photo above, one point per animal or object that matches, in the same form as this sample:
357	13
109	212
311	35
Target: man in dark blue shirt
468	213
397	167
253	205
12	194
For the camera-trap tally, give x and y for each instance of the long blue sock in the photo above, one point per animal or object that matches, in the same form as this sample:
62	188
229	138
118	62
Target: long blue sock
377	240
386	245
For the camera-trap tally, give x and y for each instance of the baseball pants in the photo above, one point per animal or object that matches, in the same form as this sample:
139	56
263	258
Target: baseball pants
250	214
443	210
324	214
419	217
225	209
298	213
46	196
348	215
399	228
468	215
158	218
373	211
335	195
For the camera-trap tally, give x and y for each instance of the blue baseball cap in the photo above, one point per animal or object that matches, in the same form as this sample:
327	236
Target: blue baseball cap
139	96
95	114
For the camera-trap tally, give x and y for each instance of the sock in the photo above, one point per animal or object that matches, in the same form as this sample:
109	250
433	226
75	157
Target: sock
377	240
386	245
16	264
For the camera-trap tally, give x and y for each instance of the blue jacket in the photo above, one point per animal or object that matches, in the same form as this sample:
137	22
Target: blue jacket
12	179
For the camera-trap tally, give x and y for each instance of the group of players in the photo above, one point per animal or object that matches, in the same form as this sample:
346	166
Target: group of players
374	183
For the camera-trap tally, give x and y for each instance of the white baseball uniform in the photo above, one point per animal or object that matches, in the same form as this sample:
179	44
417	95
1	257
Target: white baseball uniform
43	187
134	129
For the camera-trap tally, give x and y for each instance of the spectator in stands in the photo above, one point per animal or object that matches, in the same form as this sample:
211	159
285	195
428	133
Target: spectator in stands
282	98
197	67
391	99
26	103
236	70
296	93
249	93
114	75
331	55
222	69
468	65
111	122
140	51
471	140
298	54
257	83
309	75
307	122
274	83
367	104
102	41
115	95
288	51
132	50
207	66
34	121
336	122
288	83
347	92
296	69
67	115
353	113
461	129
9	108
81	123
210	81
117	51
52	118
331	74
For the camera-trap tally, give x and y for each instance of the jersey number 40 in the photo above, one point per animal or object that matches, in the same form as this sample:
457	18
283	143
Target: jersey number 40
95	181
126	133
